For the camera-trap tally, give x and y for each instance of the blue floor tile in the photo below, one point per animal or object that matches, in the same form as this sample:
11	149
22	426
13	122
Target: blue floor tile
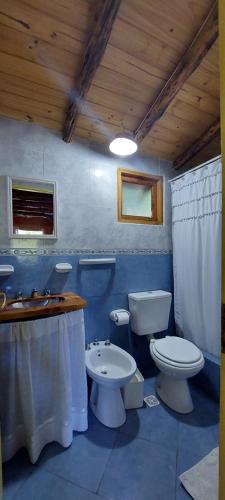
42	485
141	460
15	472
83	463
138	470
154	424
198	435
194	444
181	493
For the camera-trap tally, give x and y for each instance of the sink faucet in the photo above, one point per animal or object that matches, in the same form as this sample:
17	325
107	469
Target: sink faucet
34	293
19	295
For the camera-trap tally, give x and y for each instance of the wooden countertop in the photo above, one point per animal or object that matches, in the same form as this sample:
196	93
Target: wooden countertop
68	302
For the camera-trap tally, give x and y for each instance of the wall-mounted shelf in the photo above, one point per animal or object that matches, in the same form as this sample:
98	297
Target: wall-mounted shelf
63	267
96	262
6	270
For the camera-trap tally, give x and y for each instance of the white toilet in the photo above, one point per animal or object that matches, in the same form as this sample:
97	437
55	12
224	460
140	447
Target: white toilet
110	368
177	358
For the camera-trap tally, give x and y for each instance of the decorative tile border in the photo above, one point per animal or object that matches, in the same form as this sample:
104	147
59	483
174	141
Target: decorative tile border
72	251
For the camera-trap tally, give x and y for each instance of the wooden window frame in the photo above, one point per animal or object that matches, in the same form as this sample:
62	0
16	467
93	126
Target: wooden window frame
155	183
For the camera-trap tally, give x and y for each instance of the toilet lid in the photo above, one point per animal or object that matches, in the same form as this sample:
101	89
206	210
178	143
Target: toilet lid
177	349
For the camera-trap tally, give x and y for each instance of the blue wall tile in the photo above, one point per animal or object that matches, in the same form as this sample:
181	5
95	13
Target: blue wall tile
104	287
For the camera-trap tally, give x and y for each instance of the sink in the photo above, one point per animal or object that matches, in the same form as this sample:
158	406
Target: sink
41	306
26	304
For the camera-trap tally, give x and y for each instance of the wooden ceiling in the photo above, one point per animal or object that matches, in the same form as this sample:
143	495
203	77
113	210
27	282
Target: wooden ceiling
42	50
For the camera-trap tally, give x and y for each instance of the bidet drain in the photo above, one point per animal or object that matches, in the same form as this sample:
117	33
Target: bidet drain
104	372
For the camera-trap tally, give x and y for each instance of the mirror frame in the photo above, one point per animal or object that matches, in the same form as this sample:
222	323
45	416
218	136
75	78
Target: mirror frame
53	236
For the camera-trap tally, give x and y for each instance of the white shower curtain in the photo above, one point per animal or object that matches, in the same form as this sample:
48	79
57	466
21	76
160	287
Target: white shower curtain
196	218
43	391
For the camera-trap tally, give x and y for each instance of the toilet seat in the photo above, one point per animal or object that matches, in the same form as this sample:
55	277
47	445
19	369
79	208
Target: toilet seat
177	352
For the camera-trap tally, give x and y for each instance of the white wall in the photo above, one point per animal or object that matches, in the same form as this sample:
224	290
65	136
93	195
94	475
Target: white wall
86	176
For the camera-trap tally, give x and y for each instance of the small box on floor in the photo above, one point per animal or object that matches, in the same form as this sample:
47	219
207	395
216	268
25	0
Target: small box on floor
133	392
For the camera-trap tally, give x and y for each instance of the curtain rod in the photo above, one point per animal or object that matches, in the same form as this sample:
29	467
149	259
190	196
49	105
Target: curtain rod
195	168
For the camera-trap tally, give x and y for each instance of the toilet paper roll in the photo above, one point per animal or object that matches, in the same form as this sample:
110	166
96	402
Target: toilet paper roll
122	318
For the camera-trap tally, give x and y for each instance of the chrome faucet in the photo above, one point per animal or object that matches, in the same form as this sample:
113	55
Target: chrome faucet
96	342
107	342
19	295
34	293
46	291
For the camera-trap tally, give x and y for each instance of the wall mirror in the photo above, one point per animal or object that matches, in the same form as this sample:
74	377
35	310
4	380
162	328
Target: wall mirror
32	208
140	197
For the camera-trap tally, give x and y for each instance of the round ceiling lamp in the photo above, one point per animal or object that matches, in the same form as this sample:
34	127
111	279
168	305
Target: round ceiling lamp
123	145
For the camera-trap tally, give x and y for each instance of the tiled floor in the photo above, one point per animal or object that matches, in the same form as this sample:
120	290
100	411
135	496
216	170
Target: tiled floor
140	461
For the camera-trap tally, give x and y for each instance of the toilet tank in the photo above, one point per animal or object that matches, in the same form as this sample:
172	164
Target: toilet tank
149	311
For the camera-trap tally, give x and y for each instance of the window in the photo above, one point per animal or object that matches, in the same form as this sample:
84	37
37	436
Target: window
140	197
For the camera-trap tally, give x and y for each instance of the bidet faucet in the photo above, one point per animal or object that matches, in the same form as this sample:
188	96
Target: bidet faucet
107	342
96	342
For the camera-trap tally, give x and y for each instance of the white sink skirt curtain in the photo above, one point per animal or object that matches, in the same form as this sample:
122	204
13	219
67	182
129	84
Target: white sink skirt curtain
196	218
43	394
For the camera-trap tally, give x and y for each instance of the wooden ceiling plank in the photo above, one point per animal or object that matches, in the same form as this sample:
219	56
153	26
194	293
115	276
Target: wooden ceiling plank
103	97
199	99
143	46
190	113
177	126
22	68
93	55
123	85
176	142
201	44
33	49
171	22
75	14
99	126
18	114
25	88
27	19
133	67
198	145
29	106
206	81
107	114
91	135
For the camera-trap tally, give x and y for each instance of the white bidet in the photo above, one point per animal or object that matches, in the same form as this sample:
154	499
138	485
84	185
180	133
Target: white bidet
110	368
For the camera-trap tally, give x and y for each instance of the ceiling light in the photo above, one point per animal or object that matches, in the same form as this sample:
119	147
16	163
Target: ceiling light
123	145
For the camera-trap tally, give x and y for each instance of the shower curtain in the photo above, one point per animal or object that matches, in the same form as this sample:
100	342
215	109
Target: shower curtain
43	394
196	233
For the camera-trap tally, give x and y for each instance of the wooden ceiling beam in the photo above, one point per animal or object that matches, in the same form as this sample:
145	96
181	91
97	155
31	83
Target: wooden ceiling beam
201	44
205	138
96	46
